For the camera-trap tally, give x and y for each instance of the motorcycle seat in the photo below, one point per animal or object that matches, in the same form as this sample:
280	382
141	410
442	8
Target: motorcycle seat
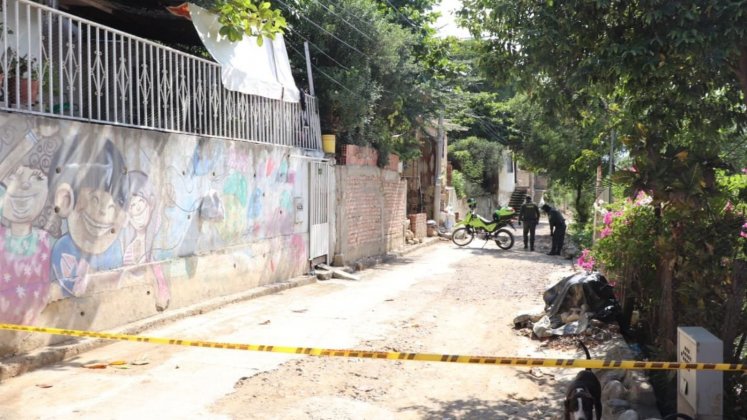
484	220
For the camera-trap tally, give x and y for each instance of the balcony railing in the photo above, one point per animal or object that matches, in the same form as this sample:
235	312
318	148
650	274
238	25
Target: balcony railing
59	65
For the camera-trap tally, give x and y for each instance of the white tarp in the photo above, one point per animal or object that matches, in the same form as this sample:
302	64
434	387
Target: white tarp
246	67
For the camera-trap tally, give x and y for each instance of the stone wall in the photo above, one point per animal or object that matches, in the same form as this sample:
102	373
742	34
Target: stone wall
370	213
106	225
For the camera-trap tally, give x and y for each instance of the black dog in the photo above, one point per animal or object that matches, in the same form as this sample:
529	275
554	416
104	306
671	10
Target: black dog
584	396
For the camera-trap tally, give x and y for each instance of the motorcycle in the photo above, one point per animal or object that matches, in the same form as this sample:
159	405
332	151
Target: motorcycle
475	225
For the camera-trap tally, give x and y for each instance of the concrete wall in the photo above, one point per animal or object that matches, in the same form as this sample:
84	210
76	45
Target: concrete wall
370	211
506	182
105	225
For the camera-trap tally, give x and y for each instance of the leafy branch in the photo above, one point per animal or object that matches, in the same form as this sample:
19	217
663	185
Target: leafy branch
241	18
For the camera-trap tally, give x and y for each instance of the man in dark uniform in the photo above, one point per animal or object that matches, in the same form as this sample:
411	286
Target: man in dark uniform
557	229
529	214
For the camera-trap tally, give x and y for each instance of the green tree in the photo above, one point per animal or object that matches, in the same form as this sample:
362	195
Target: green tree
481	122
566	148
479	160
371	70
241	18
677	73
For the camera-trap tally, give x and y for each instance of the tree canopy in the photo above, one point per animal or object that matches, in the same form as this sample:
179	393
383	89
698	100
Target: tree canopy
241	18
670	79
377	69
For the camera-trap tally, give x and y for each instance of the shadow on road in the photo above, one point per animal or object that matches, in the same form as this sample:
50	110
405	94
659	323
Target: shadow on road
518	254
474	408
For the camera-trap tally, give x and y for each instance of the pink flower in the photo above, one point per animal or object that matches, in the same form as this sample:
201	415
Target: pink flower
608	218
607	231
728	207
641	199
586	261
744	170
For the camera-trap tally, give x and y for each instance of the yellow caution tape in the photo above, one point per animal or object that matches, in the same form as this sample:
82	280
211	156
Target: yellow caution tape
392	355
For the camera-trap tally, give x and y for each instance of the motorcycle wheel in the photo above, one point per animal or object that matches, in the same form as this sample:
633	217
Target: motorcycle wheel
504	239
462	236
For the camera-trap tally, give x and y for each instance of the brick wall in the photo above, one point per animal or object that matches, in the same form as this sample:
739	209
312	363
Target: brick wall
353	155
418	224
371	211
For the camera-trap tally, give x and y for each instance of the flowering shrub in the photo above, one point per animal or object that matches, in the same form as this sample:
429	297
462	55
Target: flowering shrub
586	260
624	251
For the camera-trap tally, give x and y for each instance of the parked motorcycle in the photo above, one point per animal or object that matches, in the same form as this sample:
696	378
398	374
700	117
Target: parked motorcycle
475	225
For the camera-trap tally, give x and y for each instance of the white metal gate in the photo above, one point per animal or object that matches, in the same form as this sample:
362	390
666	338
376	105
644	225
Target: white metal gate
320	208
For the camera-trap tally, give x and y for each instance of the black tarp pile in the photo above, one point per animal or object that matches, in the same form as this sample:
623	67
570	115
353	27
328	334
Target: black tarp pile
573	302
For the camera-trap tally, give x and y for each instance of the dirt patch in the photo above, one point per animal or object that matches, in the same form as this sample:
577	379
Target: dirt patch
468	310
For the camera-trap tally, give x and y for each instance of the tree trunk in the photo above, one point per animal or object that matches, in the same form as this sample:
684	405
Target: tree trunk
742	71
581	212
665	272
733	308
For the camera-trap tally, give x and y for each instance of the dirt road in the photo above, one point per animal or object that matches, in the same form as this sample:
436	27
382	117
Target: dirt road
440	299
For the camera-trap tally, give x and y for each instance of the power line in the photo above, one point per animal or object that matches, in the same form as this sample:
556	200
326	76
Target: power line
332	79
403	16
344	20
320	50
322	29
358	18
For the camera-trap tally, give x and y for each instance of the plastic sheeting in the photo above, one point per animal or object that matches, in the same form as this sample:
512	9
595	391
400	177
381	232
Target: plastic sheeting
247	67
572	302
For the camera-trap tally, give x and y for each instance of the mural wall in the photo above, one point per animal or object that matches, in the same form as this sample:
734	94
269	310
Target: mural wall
90	210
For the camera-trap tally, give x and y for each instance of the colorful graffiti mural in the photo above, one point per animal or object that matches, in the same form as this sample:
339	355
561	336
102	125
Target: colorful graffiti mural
79	199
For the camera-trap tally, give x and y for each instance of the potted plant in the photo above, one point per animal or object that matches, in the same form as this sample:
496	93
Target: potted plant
4	34
24	76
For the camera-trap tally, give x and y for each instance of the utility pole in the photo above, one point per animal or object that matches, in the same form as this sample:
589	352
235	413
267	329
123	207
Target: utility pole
612	160
308	68
437	184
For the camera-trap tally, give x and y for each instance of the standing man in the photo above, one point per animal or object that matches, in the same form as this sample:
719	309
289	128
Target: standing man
557	229
529	214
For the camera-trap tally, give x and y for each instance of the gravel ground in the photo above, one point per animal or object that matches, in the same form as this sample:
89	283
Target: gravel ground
438	299
467	310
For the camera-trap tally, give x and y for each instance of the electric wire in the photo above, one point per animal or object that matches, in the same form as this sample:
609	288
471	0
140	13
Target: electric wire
344	20
488	127
358	18
290	9
403	16
319	49
332	79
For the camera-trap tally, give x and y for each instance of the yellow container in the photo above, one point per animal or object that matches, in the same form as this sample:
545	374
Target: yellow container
328	143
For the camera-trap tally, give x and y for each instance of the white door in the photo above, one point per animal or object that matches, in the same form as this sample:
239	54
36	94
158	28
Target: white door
320	206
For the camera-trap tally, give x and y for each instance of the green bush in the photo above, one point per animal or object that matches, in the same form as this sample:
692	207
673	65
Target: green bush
458	182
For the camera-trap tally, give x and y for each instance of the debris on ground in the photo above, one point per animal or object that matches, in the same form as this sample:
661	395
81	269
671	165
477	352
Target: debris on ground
579	304
95	366
338	273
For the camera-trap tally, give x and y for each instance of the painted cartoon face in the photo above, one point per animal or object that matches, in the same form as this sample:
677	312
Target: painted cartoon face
26	193
139	212
95	222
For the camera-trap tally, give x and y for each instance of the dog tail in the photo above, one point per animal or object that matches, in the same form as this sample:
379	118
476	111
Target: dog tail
586	350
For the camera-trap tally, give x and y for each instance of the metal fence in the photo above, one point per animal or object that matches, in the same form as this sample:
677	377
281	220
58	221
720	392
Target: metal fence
59	65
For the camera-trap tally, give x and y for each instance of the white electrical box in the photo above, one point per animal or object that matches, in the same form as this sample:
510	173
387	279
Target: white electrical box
298	205
699	392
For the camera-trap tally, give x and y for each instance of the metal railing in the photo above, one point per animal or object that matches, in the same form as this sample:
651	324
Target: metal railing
56	64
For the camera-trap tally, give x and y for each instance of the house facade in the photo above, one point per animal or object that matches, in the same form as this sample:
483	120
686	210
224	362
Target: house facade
132	182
